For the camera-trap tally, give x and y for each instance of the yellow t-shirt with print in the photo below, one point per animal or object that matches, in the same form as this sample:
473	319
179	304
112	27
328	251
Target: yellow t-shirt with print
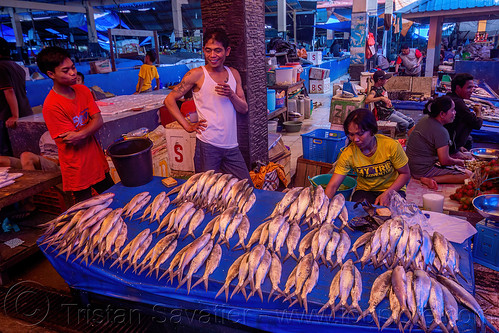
147	73
376	172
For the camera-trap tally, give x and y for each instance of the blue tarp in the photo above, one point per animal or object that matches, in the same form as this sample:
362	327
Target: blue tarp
488	133
269	316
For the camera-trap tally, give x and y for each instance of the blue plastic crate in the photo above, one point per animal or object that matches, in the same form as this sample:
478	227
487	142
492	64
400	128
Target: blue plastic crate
322	145
486	245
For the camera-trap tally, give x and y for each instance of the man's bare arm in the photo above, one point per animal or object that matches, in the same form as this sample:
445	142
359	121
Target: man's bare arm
238	99
188	82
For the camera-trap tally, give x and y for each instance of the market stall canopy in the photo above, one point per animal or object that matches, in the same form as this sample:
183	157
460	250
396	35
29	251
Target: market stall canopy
451	11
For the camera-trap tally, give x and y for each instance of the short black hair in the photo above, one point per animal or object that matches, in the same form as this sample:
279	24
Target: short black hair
152	55
4	48
51	57
364	119
404	47
460	80
82	76
437	105
217	34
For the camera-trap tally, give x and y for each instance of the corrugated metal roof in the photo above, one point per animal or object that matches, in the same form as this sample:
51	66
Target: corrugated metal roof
438	5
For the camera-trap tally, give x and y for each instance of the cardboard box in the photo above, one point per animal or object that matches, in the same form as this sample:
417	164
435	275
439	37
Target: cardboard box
317	73
320	86
315	57
181	146
99	67
341	107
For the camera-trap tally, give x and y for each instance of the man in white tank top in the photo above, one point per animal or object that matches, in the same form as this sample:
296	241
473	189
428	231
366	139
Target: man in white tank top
218	95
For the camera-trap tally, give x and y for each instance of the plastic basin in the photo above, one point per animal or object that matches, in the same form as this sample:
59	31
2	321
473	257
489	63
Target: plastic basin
350	182
292	126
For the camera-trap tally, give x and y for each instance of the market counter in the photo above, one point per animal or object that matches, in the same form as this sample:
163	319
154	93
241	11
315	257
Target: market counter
118	116
270	316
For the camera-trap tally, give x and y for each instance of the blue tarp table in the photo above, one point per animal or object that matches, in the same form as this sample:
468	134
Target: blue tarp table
271	316
488	133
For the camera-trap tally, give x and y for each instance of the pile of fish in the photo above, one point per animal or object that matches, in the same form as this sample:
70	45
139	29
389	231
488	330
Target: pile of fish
410	293
396	243
216	191
346	283
252	268
313	206
87	226
7	178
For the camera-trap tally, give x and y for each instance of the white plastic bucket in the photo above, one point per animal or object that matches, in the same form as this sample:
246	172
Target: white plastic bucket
272	126
284	76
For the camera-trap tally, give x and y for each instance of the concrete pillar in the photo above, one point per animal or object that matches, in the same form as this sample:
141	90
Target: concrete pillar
358	38
244	22
15	19
434	41
93	41
372	11
177	17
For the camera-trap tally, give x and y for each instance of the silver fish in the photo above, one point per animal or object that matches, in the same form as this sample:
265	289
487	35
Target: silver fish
275	275
211	264
422	286
294	235
231	275
242	232
334	291
379	290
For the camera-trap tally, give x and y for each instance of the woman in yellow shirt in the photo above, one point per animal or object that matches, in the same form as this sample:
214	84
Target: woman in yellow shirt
379	161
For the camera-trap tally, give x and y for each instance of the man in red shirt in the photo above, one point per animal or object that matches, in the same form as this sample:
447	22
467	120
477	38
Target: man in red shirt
411	59
72	118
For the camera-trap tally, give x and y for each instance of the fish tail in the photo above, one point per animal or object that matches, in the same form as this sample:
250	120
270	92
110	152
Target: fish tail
162	275
325	306
362	315
293	303
197	282
236	289
387	323
375	317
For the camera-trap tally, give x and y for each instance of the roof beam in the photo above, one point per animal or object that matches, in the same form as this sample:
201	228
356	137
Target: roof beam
468	12
39	6
117	3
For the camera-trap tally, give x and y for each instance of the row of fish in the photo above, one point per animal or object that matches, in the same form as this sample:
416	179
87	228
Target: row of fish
396	243
252	268
410	293
216	191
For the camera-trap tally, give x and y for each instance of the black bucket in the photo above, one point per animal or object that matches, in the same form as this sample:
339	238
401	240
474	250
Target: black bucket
133	160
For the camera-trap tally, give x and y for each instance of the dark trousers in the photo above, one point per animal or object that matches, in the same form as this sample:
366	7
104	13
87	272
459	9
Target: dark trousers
208	157
370	196
100	187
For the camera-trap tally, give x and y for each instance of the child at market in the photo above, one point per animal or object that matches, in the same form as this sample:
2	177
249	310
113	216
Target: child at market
72	118
147	72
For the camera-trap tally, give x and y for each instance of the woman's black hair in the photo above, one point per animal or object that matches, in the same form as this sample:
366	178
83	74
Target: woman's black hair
82	76
437	105
364	119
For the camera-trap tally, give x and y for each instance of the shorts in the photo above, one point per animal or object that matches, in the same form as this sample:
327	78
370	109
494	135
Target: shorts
45	163
437	170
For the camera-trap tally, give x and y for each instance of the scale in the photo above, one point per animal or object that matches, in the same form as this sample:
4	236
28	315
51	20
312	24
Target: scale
486	243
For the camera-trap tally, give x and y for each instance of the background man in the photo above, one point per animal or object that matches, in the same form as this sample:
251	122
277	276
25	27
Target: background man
382	104
13	100
411	59
466	120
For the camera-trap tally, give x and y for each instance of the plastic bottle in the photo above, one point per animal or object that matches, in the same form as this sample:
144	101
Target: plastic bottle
307	102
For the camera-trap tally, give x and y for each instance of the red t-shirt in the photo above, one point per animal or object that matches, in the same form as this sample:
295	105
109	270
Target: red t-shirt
84	165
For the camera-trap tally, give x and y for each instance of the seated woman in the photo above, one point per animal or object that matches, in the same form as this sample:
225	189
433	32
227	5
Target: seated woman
379	161
428	147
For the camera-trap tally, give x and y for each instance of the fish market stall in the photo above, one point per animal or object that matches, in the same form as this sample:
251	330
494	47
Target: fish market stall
121	114
157	285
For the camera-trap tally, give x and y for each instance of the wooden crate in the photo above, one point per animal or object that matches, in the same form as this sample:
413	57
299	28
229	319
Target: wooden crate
308	168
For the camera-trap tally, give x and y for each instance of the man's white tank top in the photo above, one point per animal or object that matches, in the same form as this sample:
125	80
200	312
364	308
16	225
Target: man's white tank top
218	111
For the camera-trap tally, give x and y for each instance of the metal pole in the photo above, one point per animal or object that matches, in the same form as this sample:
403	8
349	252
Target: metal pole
313	37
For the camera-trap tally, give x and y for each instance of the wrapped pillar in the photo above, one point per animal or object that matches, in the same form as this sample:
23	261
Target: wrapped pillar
358	39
